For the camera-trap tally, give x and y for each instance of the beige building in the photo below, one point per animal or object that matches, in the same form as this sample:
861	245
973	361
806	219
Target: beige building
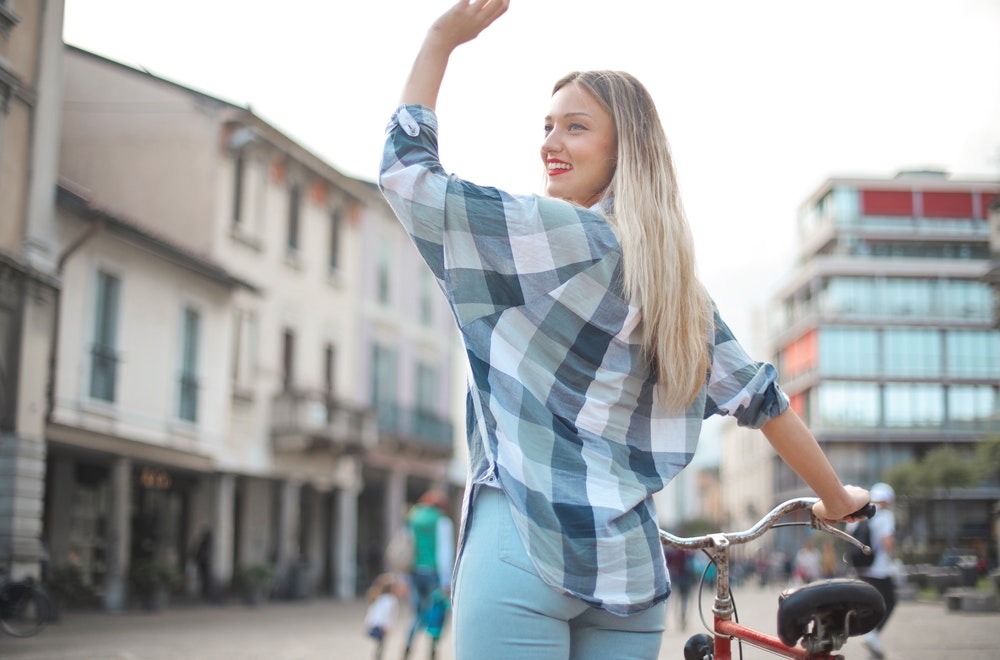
247	346
30	99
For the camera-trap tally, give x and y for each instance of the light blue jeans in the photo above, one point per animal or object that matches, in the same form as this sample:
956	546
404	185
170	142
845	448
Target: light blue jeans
502	609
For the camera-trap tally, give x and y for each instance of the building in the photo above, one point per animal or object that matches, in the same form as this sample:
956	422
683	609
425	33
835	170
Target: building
246	347
993	276
138	420
885	339
30	101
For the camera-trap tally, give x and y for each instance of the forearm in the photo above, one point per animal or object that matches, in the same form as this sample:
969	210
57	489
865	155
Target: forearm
797	447
462	23
424	82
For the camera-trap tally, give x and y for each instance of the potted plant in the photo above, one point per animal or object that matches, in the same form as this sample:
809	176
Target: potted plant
152	581
253	582
68	588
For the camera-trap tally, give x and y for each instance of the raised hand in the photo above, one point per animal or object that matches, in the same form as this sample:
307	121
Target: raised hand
462	23
465	21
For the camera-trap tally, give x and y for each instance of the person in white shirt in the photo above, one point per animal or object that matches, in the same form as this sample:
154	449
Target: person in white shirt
383	603
880	573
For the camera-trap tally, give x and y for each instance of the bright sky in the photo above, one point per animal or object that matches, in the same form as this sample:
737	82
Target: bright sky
762	101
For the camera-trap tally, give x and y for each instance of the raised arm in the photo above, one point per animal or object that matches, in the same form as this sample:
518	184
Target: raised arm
462	23
796	445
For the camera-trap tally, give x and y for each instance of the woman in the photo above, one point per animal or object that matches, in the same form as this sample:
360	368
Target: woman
594	354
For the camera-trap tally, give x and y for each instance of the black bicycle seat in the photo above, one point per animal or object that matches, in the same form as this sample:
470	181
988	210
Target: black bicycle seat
828	611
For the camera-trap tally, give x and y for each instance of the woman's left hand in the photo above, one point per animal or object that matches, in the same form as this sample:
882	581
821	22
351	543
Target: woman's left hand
857	498
464	21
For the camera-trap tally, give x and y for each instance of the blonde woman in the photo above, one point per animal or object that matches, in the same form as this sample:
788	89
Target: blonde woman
594	355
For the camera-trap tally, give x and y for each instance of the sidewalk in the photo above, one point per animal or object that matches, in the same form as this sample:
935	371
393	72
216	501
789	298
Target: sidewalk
328	630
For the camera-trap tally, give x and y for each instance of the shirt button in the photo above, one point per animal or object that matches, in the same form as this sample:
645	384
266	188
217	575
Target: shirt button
408	123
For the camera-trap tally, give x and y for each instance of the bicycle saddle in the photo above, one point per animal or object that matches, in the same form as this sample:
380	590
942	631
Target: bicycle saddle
825	613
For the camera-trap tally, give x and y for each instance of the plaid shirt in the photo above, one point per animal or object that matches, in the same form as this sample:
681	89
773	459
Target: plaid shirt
562	411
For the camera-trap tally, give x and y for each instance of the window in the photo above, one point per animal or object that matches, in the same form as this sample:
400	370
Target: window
887	202
294	218
849	297
973	353
287	360
427	388
329	357
847	405
239	172
245	342
973	407
946	204
966	299
8	19
427	288
848	352
188	409
384	386
428	425
907	297
912	352
336	226
104	352
382	276
912	405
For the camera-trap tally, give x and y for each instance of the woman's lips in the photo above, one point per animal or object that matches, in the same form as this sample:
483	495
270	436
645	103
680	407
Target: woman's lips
557	167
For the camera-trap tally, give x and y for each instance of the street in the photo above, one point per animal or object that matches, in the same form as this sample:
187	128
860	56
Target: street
918	630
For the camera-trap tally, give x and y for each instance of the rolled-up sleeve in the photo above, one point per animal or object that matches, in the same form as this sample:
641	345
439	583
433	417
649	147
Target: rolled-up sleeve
739	386
413	181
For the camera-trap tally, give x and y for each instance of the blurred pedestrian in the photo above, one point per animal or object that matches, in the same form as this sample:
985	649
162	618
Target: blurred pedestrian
680	567
203	559
829	559
882	571
808	562
433	558
383	603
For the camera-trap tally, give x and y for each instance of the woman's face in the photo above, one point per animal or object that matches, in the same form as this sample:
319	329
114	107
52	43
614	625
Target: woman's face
580	149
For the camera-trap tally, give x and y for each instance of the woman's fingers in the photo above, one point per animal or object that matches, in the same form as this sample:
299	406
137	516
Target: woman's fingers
464	21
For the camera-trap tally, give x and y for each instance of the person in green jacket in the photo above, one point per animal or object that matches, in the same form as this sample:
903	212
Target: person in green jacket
433	556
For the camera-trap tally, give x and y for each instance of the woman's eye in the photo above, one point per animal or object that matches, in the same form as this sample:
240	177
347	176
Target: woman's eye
577	127
548	128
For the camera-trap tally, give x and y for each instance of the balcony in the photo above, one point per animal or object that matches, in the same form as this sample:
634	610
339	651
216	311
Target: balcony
416	431
311	420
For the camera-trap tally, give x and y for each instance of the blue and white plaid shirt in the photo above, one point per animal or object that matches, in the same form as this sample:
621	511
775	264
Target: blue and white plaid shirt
562	411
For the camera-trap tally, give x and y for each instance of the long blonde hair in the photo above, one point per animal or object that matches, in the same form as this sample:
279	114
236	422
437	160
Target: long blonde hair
657	245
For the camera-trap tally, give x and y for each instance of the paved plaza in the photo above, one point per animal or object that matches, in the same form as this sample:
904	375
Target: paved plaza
324	629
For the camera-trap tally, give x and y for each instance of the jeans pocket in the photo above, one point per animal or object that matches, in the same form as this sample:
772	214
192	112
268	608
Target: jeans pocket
511	548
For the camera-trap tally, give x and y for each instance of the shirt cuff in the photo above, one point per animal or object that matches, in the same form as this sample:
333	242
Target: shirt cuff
411	117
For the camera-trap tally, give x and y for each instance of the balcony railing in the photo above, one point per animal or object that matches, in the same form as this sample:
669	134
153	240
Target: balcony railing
312	420
414	429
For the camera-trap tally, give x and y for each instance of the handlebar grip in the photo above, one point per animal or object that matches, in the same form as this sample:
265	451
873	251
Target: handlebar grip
867	511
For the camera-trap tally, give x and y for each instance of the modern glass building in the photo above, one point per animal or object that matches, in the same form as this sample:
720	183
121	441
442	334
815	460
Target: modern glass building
885	336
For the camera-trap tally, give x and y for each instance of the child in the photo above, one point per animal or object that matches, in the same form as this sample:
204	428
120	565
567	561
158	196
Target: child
383	601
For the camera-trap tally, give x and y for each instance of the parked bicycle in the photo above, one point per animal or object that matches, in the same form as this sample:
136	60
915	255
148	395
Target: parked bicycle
24	606
814	620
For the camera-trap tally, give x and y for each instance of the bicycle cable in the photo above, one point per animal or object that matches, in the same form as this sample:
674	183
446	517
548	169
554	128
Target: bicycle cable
732	598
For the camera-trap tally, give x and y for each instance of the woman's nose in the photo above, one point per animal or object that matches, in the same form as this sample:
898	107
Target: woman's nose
551	143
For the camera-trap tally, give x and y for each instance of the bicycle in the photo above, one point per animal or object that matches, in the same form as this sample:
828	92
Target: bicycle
822	614
24	607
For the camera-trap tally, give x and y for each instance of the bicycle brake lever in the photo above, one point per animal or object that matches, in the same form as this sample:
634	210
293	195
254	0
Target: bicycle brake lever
839	533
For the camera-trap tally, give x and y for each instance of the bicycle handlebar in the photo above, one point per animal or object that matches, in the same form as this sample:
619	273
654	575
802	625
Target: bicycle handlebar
725	539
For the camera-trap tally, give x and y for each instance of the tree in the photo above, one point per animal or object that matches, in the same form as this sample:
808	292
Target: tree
917	481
